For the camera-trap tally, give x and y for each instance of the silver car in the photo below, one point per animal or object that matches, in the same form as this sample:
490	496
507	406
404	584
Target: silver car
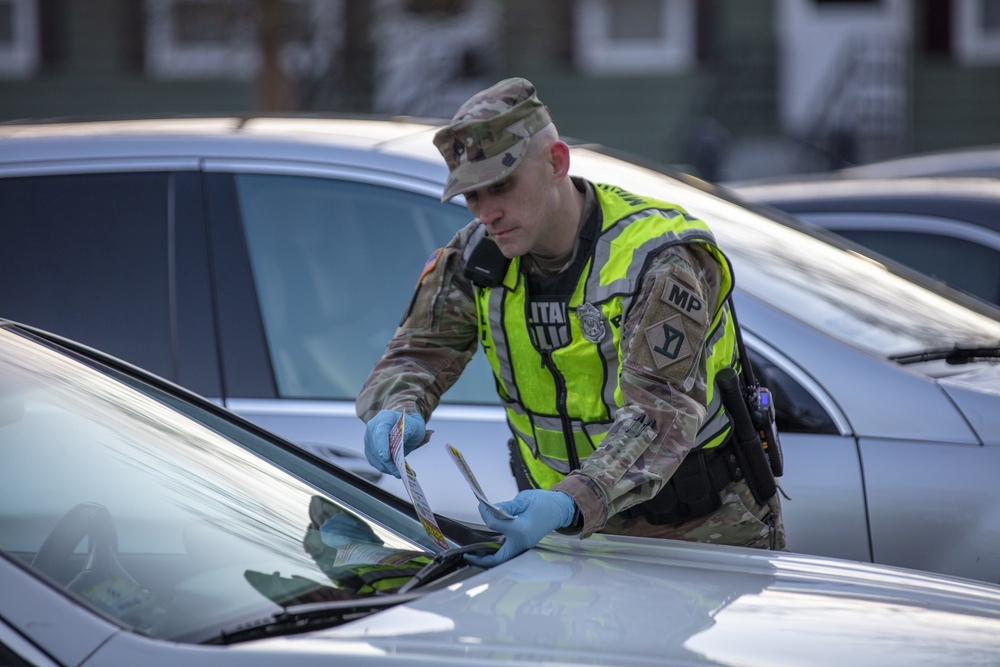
264	262
141	525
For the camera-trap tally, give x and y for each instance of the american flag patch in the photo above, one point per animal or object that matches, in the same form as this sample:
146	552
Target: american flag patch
430	263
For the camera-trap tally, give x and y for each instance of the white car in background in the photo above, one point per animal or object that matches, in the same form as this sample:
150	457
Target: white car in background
265	262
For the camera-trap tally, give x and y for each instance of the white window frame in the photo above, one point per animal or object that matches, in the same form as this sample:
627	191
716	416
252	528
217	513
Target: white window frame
600	54
167	58
20	58
974	45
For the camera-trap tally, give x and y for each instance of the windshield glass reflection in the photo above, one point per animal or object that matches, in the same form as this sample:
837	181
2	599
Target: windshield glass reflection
160	521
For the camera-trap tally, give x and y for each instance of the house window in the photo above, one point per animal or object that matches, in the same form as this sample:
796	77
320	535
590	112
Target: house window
977	32
19	51
635	36
203	39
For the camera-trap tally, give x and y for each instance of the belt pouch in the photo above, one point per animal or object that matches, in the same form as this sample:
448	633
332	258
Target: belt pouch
663	508
695	491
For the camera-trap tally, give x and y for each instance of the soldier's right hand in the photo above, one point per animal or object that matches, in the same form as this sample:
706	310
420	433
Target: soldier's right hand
377	438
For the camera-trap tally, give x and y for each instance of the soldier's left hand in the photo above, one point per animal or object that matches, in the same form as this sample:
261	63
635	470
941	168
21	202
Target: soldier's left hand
536	514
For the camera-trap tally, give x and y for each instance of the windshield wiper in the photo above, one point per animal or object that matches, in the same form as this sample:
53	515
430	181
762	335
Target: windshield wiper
304	616
447	562
952	355
310	616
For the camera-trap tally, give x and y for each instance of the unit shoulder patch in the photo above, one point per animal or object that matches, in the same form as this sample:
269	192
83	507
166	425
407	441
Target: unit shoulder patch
667	341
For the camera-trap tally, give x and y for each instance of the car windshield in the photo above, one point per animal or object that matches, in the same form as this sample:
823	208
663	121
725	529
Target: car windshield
168	517
827	286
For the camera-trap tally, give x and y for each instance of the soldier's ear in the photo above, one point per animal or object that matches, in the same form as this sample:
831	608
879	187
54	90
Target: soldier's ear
559	159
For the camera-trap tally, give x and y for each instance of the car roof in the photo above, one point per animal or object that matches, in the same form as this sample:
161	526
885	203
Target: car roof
973	161
835	187
971	200
367	131
398	145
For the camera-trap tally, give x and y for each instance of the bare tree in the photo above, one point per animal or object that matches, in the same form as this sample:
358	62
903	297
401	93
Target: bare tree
275	92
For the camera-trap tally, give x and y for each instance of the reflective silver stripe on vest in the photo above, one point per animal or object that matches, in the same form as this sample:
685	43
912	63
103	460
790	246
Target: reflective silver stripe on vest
546	424
626	286
718	419
609	355
500	346
558	465
718	332
717	422
542	422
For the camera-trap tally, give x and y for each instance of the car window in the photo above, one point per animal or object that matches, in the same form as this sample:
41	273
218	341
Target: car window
796	409
115	260
963	264
335	263
86	256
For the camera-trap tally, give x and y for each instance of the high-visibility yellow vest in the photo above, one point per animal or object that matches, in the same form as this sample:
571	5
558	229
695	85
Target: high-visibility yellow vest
561	402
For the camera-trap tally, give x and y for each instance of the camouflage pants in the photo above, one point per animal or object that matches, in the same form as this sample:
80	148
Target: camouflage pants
740	521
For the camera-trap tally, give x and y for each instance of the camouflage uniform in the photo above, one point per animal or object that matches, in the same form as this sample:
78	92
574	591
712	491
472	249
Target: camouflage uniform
663	405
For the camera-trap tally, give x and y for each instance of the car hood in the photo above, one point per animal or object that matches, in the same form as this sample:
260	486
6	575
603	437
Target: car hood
976	393
608	600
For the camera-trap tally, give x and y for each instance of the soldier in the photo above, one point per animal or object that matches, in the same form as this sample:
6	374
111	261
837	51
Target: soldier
605	317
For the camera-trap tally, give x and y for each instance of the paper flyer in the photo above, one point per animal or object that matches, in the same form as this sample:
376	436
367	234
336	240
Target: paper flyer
463	465
413	489
423	508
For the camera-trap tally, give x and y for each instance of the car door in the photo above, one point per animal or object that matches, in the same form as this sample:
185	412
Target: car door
313	268
823	485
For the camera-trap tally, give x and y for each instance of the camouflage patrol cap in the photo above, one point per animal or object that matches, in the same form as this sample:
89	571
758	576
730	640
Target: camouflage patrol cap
489	135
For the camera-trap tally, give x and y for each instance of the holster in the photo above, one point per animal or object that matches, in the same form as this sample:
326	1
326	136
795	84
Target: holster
746	439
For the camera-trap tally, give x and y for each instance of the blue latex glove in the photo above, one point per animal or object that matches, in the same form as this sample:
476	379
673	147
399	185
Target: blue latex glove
340	529
377	438
536	514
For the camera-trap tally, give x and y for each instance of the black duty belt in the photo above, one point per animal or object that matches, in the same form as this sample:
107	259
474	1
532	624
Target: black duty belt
694	490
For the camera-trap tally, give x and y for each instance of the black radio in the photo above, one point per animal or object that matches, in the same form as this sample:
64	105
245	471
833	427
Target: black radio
761	407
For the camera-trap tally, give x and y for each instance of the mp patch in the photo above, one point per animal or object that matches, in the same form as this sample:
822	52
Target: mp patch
667	341
684	299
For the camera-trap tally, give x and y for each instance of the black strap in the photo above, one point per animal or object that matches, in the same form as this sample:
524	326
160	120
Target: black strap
746	370
694	490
